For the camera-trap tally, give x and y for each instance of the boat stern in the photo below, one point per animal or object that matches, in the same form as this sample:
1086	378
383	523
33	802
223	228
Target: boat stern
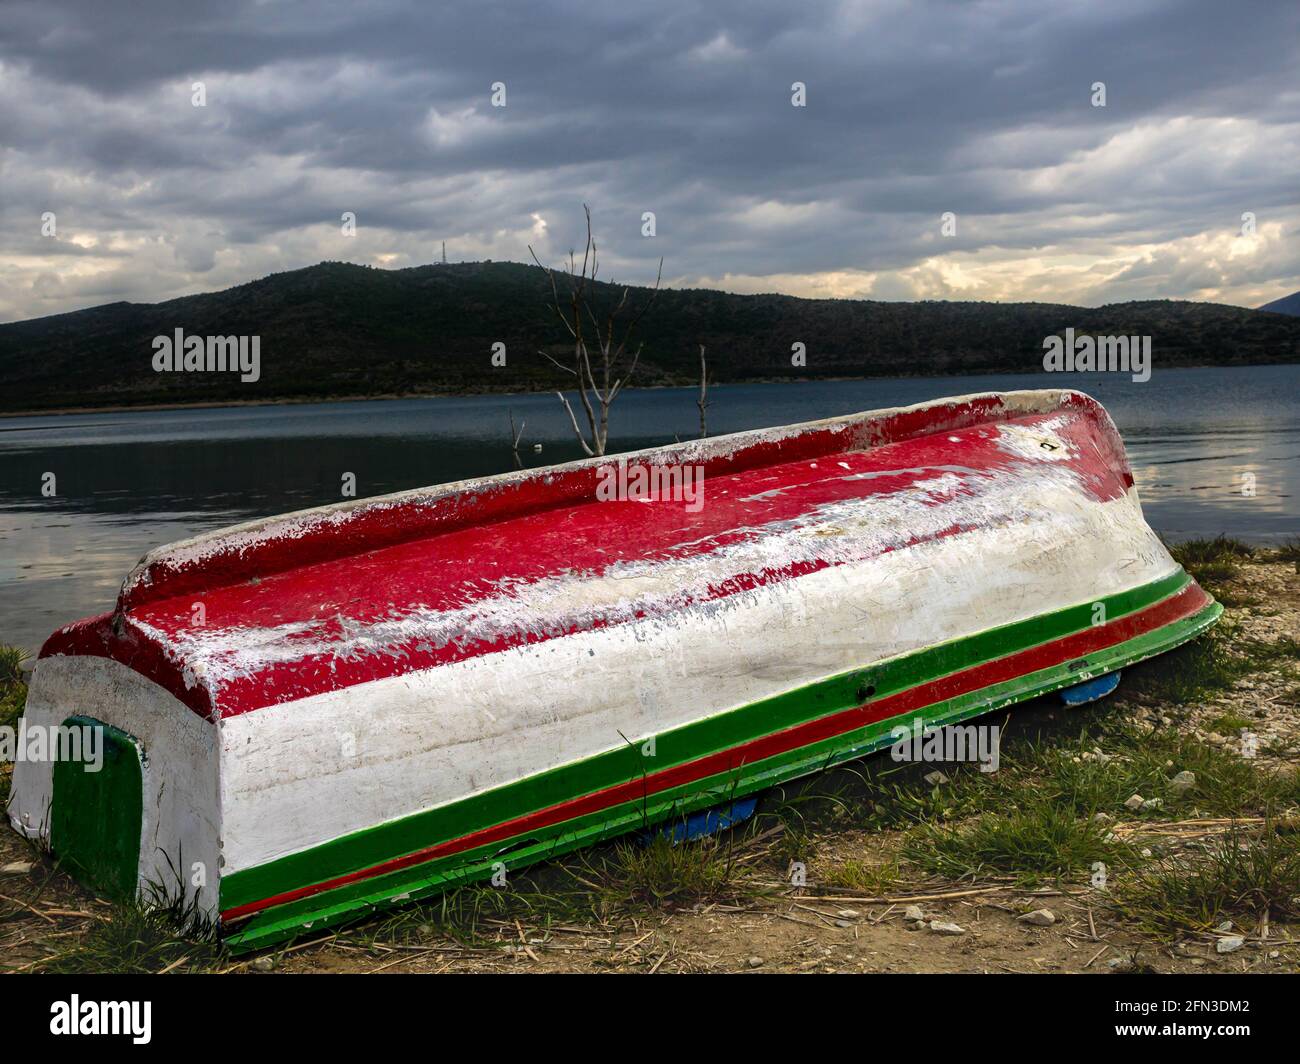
118	780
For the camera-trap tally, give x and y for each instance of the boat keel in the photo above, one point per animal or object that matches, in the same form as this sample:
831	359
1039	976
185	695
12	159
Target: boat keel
712	821
1090	690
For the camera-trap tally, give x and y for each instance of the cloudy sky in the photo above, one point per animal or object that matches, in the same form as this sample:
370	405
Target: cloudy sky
384	108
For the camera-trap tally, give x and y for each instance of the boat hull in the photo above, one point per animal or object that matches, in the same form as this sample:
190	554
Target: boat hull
618	665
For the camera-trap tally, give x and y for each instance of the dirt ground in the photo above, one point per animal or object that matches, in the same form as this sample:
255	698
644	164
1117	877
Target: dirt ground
803	929
805	932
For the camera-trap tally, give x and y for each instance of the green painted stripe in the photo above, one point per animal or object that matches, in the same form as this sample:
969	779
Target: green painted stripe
358	899
371	846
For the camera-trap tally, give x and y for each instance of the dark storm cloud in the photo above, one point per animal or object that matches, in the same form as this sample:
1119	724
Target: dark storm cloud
684	109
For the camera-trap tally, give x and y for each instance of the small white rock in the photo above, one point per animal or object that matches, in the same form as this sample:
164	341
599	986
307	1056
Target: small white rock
848	914
16	868
1182	783
1230	944
943	927
1225	926
755	962
1039	918
264	964
914	912
1134	802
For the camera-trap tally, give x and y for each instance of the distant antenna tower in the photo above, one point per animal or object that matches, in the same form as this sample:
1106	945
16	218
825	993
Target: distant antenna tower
444	253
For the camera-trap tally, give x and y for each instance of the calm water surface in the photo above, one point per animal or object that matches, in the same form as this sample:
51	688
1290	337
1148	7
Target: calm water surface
127	482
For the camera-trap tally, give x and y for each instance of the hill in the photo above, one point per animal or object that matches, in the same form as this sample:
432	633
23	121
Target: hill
1286	305
338	329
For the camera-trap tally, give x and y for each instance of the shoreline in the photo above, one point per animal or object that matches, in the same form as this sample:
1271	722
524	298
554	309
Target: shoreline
367	397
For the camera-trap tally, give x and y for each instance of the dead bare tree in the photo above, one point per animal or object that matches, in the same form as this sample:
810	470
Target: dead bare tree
599	380
703	401
515	437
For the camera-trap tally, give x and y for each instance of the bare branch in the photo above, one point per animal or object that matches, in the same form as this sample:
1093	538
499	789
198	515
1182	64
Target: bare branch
555	295
703	401
574	422
618	384
556	361
602	375
515	437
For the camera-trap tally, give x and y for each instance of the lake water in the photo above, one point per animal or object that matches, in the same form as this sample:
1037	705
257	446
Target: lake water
127	482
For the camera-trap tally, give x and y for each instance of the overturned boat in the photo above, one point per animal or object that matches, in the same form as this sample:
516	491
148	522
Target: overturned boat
318	714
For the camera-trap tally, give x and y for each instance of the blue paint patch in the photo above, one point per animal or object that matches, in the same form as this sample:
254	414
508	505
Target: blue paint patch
708	821
1090	690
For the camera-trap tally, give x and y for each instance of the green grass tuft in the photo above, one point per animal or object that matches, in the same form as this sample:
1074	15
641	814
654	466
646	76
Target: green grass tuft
13	686
141	939
1214	563
1240	875
474	914
1289	550
1221	550
1038	840
860	877
13	697
658	874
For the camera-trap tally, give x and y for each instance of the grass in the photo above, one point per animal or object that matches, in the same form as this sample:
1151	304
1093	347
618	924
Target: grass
1227	723
1038	840
140	938
1239	876
1202	667
1289	550
473	914
861	877
631	875
1195	554
622	878
13	696
1262	655
1033	819
1093	770
13	688
1215	563
1209	664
